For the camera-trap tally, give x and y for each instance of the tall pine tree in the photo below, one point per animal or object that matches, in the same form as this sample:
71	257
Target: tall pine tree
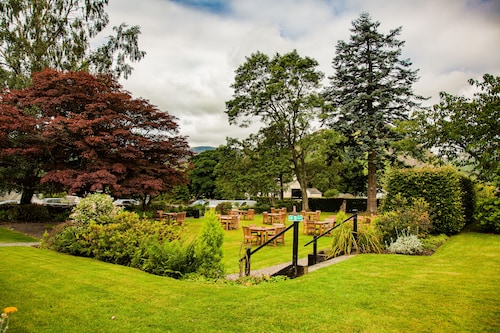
370	91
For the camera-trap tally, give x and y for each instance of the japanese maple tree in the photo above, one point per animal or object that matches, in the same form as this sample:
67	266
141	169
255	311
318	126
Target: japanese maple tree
88	134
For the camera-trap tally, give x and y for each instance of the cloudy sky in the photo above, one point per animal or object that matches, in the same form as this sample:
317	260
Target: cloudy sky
194	46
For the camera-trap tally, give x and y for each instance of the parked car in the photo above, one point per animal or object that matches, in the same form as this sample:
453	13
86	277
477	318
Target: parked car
126	202
58	202
9	202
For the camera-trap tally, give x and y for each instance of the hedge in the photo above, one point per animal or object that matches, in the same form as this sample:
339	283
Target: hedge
442	188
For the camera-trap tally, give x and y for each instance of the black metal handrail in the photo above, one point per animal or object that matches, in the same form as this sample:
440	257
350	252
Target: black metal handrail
249	252
354	217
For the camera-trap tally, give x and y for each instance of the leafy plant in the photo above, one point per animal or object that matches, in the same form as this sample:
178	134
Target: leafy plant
432	242
208	249
30	213
96	207
223	208
369	238
488	210
413	216
406	243
343	241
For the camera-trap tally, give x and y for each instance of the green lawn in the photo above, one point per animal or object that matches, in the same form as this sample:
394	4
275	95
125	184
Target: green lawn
455	290
9	236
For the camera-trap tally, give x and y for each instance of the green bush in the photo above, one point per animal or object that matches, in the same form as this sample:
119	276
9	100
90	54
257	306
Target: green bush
208	249
432	242
440	187
223	208
414	217
166	258
30	213
488	212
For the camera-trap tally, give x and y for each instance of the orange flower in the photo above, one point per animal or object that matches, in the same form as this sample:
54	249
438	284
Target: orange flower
10	309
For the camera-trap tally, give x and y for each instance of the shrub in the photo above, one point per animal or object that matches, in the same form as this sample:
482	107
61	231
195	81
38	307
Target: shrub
441	188
432	242
488	214
406	243
96	207
30	213
414	217
166	258
223	208
208	250
118	241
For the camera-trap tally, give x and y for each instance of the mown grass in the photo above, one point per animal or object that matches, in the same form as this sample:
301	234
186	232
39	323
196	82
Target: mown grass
454	290
9	236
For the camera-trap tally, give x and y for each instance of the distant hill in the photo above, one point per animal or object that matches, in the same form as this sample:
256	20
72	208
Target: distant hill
201	149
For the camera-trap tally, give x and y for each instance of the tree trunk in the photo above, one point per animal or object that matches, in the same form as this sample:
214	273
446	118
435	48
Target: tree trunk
27	195
305	198
372	183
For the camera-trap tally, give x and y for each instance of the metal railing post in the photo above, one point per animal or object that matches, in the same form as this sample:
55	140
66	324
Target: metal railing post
315	249
248	254
295	253
355	225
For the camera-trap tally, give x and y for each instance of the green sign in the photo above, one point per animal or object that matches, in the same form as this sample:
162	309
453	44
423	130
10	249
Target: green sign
295	217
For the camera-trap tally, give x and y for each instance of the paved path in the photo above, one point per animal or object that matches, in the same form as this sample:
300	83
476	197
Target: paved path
20	244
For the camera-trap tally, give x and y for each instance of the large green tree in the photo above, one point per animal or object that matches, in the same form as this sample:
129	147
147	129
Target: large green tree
39	34
202	177
464	130
281	92
253	167
370	91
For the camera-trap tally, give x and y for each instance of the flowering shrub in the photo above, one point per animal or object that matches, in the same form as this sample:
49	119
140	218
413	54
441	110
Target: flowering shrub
4	318
414	216
96	207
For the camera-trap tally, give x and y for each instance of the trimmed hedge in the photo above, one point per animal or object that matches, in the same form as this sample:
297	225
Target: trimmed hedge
441	188
334	204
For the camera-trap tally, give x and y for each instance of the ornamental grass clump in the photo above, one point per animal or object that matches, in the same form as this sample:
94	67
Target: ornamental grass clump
4	318
406	243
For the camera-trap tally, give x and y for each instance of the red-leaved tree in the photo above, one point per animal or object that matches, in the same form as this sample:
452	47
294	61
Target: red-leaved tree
86	134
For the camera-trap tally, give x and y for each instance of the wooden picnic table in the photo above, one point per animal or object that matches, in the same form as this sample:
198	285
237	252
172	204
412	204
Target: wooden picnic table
262	231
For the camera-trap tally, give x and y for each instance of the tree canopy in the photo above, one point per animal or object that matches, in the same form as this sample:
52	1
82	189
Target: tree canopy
283	93
464	130
369	92
39	34
83	133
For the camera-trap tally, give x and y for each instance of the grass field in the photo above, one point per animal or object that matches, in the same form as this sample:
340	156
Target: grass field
9	236
455	290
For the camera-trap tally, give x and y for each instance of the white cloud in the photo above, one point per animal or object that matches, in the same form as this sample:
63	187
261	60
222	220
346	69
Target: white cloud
192	53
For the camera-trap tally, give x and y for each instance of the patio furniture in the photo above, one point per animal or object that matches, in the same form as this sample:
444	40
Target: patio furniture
234	223
249	237
225	221
249	215
262	231
179	218
278	228
158	215
265	218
